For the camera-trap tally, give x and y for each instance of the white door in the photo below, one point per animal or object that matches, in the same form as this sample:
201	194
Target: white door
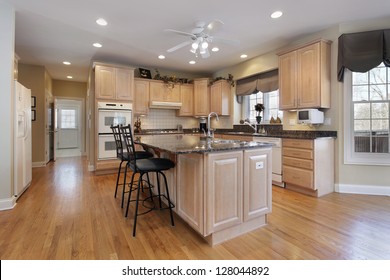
55	129
69	132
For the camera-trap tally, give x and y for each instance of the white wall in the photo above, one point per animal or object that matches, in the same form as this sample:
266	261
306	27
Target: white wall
7	35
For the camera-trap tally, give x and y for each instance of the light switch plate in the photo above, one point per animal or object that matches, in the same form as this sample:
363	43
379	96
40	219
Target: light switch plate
292	121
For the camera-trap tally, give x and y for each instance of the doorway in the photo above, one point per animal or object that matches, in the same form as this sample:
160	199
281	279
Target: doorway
70	132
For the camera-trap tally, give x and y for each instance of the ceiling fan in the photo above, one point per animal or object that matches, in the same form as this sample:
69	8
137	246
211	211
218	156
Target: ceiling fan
200	38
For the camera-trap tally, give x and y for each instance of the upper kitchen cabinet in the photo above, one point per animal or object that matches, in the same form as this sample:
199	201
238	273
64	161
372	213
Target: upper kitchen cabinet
160	91
141	97
220	96
304	76
187	101
114	82
201	97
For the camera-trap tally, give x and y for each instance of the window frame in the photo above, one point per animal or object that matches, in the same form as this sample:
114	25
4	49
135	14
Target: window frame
350	156
266	117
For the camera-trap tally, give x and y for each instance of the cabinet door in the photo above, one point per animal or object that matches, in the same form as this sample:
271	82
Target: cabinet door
201	97
288	81
220	98
187	100
124	83
308	63
141	97
104	82
223	191
190	190
257	183
156	91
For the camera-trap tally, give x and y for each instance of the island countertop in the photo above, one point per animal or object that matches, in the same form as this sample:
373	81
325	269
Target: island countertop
185	144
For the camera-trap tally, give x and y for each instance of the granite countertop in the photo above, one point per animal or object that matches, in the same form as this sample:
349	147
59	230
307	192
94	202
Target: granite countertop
296	134
184	144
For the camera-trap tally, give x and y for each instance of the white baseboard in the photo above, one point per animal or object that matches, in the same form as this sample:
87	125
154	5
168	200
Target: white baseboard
363	189
7	204
91	167
38	164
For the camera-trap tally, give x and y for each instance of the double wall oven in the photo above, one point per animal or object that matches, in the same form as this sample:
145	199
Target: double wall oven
111	114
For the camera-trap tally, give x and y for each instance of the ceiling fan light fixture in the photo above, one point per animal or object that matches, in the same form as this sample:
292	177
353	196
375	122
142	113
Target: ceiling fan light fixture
195	45
205	45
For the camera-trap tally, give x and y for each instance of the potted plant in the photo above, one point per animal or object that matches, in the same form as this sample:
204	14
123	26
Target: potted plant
259	108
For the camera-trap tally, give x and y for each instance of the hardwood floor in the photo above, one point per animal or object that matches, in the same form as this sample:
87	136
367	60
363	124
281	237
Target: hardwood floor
69	213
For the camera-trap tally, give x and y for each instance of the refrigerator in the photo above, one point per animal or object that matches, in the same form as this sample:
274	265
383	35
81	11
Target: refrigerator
22	139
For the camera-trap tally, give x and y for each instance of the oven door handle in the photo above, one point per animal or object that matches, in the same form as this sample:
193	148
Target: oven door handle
114	110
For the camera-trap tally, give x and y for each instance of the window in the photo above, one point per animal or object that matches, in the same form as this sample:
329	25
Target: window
271	104
367	116
68	118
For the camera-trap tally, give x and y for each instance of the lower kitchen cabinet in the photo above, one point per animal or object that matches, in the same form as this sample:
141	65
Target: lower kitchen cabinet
224	187
308	165
222	195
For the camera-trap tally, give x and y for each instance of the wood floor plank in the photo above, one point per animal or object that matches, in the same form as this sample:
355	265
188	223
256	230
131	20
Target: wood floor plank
70	213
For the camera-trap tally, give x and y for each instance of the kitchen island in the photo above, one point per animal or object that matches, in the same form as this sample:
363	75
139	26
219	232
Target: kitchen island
221	188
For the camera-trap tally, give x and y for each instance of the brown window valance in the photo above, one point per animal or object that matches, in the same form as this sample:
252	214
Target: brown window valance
264	82
362	51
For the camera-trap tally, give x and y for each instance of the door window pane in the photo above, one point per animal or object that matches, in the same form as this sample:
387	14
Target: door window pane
68	118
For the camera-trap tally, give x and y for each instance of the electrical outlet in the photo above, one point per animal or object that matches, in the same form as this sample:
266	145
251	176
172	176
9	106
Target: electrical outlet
259	165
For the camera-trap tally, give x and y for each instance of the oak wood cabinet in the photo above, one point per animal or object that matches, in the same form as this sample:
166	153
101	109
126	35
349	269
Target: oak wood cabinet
220	98
141	97
187	100
224	191
304	77
308	165
201	97
159	91
114	82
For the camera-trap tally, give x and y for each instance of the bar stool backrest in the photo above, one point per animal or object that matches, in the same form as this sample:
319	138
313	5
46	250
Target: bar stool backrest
129	143
118	140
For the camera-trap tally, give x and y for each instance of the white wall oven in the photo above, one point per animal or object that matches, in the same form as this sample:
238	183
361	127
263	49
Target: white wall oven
111	114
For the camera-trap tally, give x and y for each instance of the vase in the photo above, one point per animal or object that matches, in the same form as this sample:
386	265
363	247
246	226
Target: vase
258	119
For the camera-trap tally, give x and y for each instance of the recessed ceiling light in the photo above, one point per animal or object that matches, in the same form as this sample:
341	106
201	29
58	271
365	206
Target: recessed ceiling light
215	49
161	56
97	45
276	14
66	62
101	21
69	77
243	56
192	62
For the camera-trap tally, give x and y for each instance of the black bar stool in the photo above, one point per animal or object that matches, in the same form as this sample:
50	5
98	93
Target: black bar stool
144	166
124	157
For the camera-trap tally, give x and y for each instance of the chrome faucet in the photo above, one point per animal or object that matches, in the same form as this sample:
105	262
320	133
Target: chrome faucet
249	124
209	130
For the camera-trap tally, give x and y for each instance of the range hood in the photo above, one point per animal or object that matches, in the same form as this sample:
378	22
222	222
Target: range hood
165	105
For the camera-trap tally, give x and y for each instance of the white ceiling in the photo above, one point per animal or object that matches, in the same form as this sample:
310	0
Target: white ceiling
51	31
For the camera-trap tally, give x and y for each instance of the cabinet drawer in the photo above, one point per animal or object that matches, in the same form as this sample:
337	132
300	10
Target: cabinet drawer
298	153
298	143
298	177
299	163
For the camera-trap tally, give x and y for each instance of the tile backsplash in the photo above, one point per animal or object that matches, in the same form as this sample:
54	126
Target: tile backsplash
166	119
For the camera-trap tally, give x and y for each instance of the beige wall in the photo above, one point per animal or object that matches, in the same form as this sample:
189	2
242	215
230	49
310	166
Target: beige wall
358	176
69	89
33	77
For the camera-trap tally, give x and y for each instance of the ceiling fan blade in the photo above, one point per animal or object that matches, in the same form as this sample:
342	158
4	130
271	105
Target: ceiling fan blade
179	32
213	26
179	46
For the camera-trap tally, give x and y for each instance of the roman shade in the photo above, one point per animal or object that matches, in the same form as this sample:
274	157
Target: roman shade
362	51
264	82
